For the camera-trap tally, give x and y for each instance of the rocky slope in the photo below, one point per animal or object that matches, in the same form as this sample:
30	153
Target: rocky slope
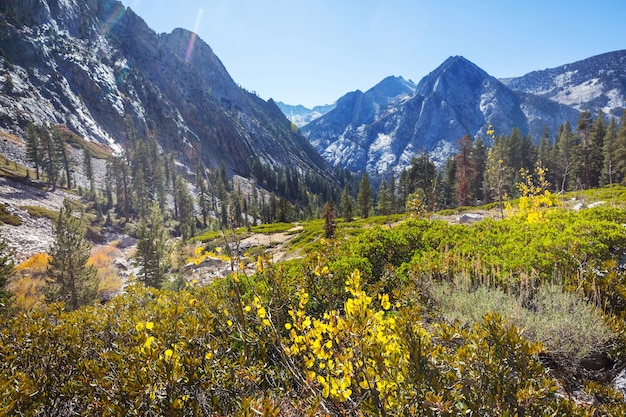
596	83
96	67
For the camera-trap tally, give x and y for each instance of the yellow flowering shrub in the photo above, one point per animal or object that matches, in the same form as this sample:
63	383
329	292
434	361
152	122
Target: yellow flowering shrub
535	195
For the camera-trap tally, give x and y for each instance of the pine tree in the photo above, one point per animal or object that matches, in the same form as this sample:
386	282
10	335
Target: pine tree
582	151
33	147
121	173
620	146
364	196
70	279
447	183
152	255
609	173
7	269
88	168
384	204
545	147
329	220
478	157
596	144
422	178
465	172
347	206
50	162
63	156
186	213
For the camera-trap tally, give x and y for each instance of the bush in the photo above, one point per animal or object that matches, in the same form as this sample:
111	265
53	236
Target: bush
8	218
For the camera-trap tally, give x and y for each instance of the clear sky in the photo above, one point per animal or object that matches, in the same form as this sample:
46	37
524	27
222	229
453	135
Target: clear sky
313	52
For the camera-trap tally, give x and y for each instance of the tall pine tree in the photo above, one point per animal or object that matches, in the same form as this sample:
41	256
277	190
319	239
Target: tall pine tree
33	147
364	197
70	279
609	174
152	255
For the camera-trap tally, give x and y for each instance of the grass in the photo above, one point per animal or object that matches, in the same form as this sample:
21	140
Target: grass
41	212
14	171
8	218
97	150
273	228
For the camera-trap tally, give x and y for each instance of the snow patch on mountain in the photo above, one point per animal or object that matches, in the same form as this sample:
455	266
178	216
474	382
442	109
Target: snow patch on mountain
574	95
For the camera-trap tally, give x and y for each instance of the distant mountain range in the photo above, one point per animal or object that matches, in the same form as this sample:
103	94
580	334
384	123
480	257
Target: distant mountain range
96	67
301	115
385	127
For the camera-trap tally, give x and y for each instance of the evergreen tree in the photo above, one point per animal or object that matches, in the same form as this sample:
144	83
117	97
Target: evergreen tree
70	279
621	148
329	220
364	197
582	150
609	174
7	269
392	192
282	210
88	168
384	204
186	211
121	173
596	145
50	162
152	255
465	172
108	185
33	147
447	183
422	175
140	198
478	157
545	147
347	206
63	156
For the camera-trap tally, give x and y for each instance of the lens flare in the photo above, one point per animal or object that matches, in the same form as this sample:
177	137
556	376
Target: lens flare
192	39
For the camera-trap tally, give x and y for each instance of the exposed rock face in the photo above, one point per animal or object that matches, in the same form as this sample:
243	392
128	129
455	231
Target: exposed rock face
596	83
383	129
96	67
346	136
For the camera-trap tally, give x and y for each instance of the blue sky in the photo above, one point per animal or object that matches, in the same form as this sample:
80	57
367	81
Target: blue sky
313	52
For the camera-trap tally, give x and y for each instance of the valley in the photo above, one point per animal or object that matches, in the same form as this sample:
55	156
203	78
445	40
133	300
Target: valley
172	244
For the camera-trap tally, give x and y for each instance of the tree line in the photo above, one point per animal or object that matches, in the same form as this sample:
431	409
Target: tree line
588	155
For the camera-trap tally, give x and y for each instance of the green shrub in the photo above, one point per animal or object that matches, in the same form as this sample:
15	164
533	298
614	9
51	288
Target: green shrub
8	218
41	212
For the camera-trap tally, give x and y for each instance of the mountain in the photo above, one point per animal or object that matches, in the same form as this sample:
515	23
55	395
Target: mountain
596	83
96	67
340	134
301	115
366	132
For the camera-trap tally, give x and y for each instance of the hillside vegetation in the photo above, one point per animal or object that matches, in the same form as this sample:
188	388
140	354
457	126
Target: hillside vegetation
412	316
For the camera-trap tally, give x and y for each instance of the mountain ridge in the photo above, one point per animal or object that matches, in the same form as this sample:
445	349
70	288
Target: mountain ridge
455	99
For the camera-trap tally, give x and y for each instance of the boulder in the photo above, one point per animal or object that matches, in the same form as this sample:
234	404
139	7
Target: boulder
469	218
